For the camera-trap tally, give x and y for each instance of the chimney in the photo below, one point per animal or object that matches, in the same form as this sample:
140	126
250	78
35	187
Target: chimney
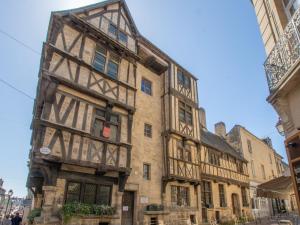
220	129
268	141
202	116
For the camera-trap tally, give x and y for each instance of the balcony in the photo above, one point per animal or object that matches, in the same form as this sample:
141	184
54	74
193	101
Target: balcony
285	54
213	171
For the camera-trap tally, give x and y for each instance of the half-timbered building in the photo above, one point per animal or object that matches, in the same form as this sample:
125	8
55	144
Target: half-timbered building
115	122
225	179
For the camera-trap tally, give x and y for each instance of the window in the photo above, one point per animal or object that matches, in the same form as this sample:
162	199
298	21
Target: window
88	193
252	168
222	195
148	130
213	158
180	196
244	197
106	125
106	62
112	29
206	194
239	166
270	156
188	155
146	171
146	86
183	79
249	146
100	59
263	172
185	113
180	154
123	37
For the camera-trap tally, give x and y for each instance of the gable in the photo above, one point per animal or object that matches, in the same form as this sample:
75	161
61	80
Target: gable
108	16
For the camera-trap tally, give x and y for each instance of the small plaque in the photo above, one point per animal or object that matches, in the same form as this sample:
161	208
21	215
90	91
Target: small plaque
45	150
125	208
144	199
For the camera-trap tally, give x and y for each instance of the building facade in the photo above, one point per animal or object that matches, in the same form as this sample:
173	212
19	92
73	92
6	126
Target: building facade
279	25
115	122
264	164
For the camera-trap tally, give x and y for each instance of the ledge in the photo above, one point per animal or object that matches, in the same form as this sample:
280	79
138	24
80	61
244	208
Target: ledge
156	212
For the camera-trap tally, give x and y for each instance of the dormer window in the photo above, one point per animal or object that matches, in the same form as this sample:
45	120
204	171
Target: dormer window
183	79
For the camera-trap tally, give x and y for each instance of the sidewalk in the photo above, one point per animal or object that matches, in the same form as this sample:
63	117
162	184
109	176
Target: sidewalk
275	220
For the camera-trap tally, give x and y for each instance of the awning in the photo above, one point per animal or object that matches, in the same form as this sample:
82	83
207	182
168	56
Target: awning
280	187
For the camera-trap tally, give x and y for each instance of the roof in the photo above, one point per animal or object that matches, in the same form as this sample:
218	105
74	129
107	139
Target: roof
276	188
210	139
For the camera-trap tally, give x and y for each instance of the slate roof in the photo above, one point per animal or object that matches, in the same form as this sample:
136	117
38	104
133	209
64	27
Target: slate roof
220	144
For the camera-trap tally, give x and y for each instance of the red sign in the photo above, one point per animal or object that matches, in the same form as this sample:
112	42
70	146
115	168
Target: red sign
106	132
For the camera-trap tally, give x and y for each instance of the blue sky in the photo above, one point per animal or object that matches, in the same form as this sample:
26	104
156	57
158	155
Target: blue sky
218	41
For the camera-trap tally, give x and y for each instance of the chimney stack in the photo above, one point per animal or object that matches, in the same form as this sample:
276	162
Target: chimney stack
220	129
202	116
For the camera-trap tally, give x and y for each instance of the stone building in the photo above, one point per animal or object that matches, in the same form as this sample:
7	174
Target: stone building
279	25
225	179
115	122
264	164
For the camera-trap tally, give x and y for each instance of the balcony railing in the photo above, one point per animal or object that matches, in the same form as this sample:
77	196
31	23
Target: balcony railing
285	53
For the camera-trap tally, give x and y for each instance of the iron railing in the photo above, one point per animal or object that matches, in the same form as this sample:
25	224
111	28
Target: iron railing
285	53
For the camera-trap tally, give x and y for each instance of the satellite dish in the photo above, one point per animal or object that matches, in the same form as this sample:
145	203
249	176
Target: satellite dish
45	150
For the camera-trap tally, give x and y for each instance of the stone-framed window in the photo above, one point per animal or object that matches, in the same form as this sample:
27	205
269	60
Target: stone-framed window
148	130
180	196
88	193
146	171
185	113
244	197
106	125
249	146
106	61
206	194
222	195
146	86
183	79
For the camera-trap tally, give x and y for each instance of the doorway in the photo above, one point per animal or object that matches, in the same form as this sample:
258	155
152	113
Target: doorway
236	205
127	208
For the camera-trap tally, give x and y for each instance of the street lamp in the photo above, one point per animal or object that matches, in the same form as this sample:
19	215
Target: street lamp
279	127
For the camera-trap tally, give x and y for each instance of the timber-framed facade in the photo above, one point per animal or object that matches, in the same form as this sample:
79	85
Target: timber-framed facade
116	122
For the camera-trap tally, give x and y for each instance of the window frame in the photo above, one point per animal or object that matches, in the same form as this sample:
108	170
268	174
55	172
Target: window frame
144	87
206	194
148	175
249	144
146	134
214	158
122	33
82	190
180	200
222	195
115	33
183	79
106	121
186	109
287	8
245	201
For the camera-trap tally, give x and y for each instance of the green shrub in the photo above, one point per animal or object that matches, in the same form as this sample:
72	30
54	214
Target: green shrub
80	209
33	213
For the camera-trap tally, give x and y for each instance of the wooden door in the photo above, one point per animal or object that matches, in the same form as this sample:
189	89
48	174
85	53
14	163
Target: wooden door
236	205
127	208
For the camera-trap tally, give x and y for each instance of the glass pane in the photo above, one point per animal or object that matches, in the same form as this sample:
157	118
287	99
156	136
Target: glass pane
180	77
113	132
98	127
89	193
103	195
112	69
99	62
187	82
189	119
146	86
73	192
100	112
114	118
112	30
122	37
181	115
